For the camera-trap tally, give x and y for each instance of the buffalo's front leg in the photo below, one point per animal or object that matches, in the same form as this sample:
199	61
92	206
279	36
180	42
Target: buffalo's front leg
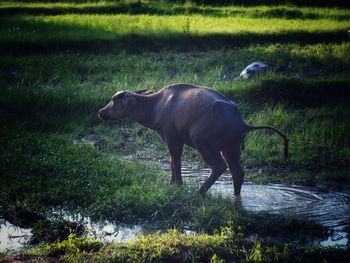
175	150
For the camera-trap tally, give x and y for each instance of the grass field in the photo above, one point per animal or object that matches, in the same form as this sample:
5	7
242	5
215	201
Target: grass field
61	62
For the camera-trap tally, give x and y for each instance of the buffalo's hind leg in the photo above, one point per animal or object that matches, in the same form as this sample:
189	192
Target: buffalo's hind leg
175	150
217	164
232	157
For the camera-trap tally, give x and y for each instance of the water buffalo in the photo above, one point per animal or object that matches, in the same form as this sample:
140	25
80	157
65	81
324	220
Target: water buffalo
187	114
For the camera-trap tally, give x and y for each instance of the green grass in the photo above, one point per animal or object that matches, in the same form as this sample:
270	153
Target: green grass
157	32
61	62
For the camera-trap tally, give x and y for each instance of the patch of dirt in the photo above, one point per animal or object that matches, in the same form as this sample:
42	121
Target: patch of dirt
91	137
27	259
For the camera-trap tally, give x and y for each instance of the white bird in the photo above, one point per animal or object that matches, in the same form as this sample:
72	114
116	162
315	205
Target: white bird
259	67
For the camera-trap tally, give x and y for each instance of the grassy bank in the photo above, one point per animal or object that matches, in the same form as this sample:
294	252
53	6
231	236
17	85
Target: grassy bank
61	62
177	247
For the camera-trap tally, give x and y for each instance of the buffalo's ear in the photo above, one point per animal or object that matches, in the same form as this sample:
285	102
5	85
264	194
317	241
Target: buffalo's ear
127	99
118	95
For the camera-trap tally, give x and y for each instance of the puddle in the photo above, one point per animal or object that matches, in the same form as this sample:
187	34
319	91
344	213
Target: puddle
106	231
338	239
330	209
13	238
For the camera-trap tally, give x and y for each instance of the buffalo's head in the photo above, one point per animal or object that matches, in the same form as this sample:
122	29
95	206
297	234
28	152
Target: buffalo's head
120	104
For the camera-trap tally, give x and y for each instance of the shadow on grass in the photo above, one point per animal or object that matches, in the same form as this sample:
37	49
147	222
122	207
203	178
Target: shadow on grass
136	43
111	8
293	92
48	111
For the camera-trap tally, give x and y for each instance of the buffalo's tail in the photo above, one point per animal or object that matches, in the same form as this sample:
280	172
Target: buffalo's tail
286	147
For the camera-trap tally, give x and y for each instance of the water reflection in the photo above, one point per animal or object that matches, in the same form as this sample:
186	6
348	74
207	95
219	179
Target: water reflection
104	231
13	238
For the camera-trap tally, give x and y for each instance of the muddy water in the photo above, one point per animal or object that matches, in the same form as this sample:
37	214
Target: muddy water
329	208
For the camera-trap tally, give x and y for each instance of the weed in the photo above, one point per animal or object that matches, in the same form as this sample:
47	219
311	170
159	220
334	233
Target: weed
73	246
